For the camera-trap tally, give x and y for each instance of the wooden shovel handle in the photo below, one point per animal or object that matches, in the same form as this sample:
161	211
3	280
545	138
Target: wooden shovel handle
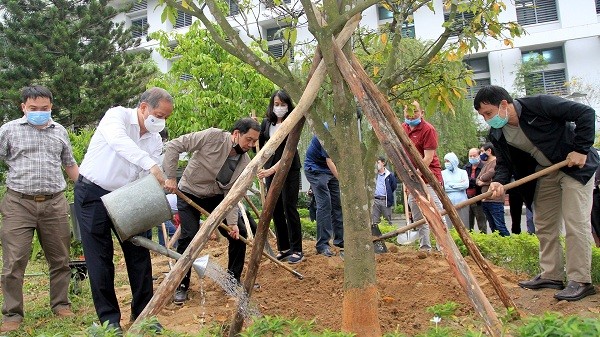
480	197
243	239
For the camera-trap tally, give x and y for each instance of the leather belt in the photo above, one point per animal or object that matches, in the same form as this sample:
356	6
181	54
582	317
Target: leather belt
36	198
379	198
85	180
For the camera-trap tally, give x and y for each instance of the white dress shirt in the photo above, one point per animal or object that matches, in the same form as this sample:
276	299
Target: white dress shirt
117	154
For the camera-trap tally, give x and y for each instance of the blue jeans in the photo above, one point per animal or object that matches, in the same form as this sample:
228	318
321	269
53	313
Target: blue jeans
170	231
494	212
326	190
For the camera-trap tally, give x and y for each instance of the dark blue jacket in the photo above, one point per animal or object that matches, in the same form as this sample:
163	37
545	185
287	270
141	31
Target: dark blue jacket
391	183
556	126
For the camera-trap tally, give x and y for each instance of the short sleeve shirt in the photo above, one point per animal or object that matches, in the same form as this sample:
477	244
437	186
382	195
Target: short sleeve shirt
35	156
424	137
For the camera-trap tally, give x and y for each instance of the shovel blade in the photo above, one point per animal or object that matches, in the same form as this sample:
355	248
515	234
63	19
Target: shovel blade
200	265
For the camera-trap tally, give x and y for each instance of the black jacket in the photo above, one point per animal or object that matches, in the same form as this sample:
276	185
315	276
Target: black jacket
473	181
264	137
556	126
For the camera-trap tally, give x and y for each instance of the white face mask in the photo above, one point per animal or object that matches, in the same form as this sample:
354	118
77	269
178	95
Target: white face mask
154	124
280	111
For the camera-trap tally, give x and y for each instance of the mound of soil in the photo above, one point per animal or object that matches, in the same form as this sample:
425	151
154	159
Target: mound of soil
408	281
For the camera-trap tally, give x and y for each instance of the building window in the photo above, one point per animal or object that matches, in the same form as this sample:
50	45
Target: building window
481	74
477	84
460	21
183	20
139	6
271	3
597	6
383	13
408	30
530	12
551	79
234	9
139	27
277	45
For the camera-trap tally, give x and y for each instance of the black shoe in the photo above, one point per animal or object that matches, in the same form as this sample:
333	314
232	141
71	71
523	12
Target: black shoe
282	256
380	247
181	295
327	252
296	258
157	328
575	291
539	283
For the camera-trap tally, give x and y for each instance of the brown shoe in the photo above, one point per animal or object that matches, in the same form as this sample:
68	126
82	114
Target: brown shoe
8	326
64	312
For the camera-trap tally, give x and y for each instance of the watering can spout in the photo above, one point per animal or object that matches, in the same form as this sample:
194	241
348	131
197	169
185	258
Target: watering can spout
200	265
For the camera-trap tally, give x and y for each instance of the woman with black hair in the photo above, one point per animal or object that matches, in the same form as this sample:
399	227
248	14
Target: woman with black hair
285	215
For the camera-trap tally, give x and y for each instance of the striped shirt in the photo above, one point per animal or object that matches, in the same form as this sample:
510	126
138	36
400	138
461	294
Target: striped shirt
34	157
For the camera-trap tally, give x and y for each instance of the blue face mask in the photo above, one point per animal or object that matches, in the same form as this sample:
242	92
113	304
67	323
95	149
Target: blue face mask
483	156
412	122
38	118
474	161
449	166
498	122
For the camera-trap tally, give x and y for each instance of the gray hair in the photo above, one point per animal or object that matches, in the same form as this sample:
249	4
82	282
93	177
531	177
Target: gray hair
154	96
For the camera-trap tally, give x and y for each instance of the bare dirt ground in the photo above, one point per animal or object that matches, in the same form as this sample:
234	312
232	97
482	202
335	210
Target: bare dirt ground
408	282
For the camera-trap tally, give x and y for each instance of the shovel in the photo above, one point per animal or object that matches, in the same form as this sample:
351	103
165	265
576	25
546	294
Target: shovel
478	198
243	239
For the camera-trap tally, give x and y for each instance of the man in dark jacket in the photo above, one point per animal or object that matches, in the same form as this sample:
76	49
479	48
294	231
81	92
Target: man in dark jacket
534	132
473	169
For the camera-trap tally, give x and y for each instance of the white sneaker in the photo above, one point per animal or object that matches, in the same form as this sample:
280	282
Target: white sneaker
408	237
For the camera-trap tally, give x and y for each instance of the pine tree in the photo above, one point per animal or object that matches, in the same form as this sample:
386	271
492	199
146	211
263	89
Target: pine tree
73	48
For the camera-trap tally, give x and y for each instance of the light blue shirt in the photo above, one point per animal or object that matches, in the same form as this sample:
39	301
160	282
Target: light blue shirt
380	185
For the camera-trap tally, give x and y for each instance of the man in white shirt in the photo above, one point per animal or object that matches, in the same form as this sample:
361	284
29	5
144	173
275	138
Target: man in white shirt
126	144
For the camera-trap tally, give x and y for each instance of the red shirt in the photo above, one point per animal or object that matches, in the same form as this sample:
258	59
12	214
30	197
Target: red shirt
424	137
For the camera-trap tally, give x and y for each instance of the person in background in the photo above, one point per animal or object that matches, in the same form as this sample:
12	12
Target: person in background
425	138
126	144
456	182
218	159
35	147
473	169
322	175
385	186
595	215
530	133
170	225
312	205
515	203
493	207
285	215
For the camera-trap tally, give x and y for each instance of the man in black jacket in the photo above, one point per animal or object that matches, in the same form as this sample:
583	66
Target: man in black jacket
534	132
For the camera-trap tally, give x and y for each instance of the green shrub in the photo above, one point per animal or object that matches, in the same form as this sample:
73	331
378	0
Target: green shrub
556	325
304	213
278	326
309	229
517	252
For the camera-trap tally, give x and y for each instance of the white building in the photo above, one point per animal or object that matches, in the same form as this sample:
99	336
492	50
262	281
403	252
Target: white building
565	32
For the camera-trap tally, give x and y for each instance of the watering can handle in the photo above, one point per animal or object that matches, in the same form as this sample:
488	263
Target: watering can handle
244	240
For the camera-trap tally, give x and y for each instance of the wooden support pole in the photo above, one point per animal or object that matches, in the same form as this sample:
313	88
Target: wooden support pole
241	238
392	120
394	149
285	163
167	287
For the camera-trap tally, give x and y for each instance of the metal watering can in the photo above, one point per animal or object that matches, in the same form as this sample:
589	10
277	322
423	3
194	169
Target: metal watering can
139	206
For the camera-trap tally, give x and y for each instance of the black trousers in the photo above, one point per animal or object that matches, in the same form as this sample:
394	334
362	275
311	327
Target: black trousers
596	211
515	201
286	218
190	224
96	237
